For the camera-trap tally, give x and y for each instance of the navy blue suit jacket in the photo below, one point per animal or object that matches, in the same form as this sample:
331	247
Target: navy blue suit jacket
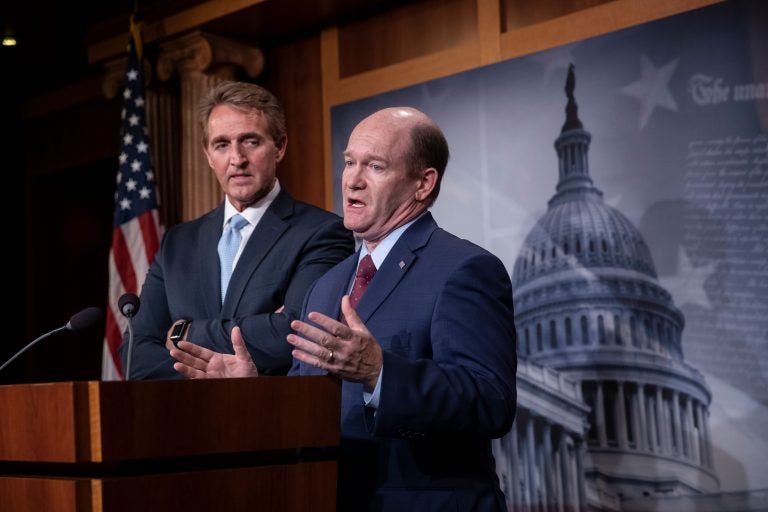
292	245
441	308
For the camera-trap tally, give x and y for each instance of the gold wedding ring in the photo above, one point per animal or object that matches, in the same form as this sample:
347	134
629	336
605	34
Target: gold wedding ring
330	356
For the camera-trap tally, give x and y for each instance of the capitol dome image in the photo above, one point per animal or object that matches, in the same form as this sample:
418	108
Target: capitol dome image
610	415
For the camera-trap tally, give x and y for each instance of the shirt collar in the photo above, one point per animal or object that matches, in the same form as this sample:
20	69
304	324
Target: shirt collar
255	212
382	249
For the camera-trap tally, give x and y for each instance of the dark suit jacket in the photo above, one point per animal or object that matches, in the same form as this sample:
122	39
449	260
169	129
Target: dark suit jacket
441	308
292	245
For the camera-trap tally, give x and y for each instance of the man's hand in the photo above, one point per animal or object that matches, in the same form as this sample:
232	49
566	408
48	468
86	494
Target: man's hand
348	351
196	362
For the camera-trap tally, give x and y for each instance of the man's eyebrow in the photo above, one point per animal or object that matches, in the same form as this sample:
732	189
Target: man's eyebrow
219	138
242	136
367	157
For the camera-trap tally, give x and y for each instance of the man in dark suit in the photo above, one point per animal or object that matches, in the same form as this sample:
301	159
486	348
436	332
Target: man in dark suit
280	247
427	354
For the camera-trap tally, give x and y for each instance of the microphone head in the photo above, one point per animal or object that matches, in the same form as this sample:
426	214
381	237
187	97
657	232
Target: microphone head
128	304
83	319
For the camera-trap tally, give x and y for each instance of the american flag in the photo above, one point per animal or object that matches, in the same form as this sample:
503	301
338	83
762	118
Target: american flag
137	230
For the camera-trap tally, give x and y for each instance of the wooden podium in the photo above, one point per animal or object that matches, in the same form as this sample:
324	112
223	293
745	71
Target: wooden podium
213	445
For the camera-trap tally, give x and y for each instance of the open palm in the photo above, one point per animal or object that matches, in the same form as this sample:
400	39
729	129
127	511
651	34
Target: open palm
196	362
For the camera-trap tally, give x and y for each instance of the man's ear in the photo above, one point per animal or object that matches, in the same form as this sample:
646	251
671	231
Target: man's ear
427	183
208	156
281	145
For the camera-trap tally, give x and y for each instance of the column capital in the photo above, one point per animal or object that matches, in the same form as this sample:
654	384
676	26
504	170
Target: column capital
203	52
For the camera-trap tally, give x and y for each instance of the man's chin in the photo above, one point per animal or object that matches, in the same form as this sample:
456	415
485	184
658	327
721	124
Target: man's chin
355	227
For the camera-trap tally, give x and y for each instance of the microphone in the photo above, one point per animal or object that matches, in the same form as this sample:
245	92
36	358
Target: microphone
83	319
78	321
128	304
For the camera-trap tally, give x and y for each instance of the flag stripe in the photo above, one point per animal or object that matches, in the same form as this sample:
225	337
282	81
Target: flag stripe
136	243
149	223
121	254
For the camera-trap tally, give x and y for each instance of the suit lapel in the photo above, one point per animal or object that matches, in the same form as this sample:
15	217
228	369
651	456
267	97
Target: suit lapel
264	237
210	272
339	287
396	265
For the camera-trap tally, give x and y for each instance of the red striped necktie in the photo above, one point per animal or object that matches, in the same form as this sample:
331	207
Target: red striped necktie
365	272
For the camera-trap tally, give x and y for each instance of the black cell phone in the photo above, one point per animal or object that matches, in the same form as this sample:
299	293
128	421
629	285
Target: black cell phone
179	331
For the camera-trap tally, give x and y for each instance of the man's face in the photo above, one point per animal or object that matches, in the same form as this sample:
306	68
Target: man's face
242	154
378	191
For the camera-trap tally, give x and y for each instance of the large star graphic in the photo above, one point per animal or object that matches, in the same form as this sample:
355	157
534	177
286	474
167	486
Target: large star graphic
687	284
652	88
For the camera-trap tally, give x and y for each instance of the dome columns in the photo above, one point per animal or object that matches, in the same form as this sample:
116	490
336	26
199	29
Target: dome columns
549	469
630	416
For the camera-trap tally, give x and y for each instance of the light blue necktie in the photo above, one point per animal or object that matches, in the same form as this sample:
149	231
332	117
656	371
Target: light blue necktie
228	246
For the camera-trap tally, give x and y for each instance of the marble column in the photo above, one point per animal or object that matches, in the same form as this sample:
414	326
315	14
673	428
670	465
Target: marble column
652	424
678	424
621	417
541	488
642	423
515	467
547	468
525	501
201	60
693	434
664	443
702	436
685	424
581	486
164	130
531	456
602	435
565	472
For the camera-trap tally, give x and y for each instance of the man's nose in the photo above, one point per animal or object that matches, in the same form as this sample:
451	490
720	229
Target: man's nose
237	156
353	177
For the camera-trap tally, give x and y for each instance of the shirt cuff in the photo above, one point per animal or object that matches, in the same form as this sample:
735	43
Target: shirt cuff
372	399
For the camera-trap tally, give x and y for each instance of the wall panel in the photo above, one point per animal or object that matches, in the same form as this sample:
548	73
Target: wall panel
414	30
293	74
521	13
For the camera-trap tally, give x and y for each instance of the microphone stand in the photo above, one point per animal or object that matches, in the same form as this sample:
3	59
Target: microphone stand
128	304
17	354
130	348
78	321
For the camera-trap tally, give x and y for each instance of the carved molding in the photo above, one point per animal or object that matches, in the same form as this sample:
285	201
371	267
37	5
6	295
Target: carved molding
203	52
